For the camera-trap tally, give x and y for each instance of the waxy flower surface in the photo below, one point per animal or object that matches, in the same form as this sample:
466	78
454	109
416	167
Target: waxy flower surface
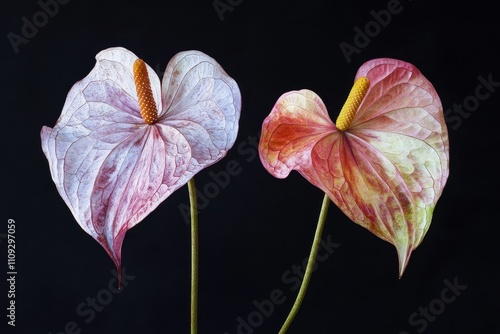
384	162
124	141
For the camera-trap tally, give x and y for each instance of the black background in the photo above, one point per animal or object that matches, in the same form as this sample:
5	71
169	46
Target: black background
256	227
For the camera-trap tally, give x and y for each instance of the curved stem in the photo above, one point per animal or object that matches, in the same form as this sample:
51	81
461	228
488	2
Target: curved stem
310	265
194	256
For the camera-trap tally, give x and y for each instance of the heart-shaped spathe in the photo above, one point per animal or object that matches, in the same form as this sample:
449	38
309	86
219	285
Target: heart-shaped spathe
387	169
111	167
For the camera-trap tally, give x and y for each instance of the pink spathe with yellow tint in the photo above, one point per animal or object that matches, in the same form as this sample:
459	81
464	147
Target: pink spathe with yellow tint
385	162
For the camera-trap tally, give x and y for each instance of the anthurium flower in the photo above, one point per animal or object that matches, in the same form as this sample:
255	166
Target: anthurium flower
384	162
124	141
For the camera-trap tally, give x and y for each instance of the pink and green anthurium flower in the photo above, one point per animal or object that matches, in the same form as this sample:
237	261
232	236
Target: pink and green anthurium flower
125	141
384	162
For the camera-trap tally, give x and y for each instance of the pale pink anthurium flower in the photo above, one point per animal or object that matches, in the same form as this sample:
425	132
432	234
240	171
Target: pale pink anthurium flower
124	141
384	163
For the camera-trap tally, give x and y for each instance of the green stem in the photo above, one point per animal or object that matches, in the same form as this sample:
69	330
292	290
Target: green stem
194	256
310	265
